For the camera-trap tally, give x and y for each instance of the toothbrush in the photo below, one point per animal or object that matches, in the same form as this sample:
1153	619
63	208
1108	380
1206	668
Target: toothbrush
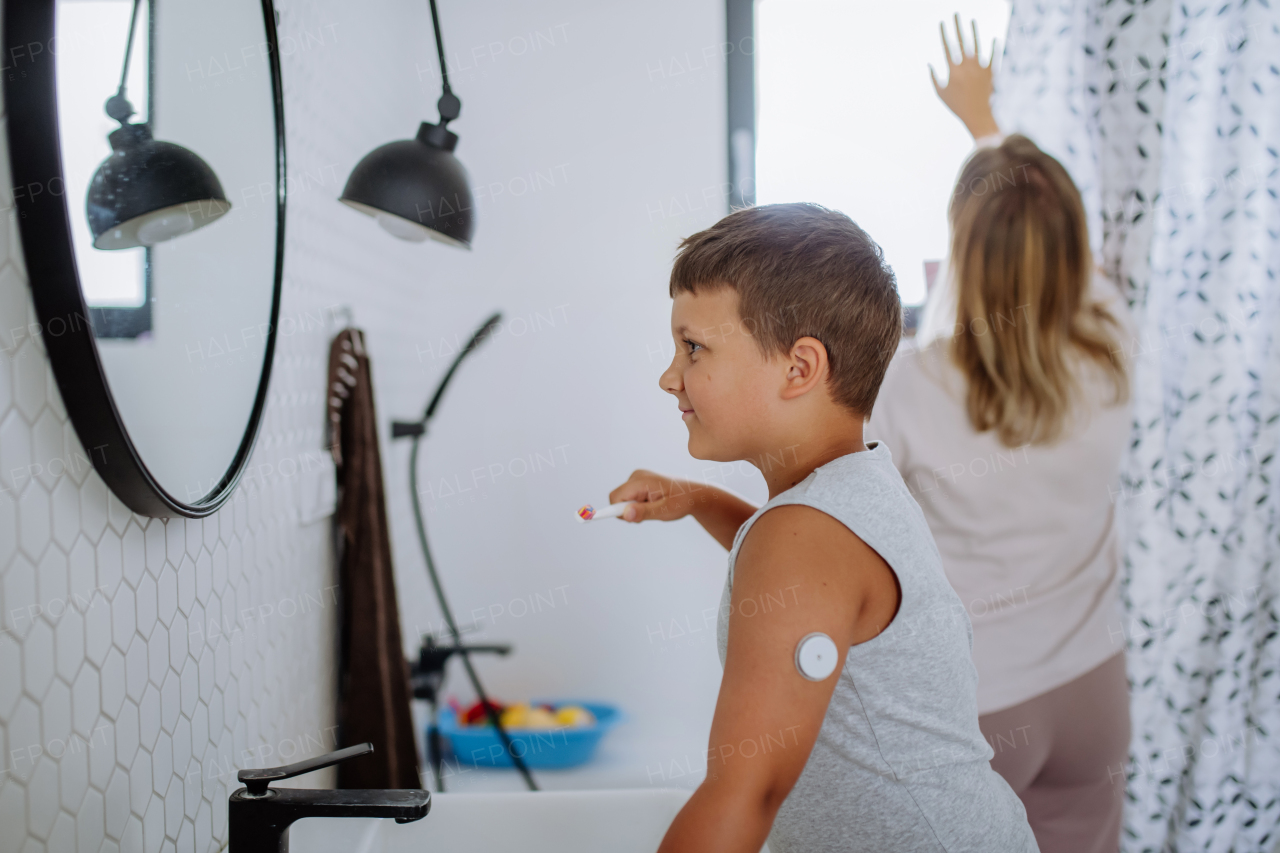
590	513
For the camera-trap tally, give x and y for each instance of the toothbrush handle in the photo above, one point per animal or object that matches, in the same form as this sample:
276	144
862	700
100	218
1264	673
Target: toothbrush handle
611	511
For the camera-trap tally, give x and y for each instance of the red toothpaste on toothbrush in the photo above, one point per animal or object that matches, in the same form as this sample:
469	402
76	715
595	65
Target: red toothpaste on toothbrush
590	513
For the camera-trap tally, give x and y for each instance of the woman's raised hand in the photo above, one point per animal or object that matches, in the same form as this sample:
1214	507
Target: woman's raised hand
968	89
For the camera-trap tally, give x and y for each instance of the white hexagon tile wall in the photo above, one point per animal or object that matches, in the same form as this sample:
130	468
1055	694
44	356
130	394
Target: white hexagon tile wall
142	660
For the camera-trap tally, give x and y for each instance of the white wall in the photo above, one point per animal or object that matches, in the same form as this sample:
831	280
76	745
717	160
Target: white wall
622	114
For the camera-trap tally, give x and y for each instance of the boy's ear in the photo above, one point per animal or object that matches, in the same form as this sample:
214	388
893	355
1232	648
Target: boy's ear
807	367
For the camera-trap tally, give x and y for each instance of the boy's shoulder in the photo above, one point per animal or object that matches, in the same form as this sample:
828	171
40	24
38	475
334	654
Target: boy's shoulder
849	483
865	491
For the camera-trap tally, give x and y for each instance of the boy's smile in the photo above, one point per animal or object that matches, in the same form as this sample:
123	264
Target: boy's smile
718	376
738	403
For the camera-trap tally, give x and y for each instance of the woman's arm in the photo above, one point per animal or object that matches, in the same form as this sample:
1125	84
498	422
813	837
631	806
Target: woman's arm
655	496
968	89
767	715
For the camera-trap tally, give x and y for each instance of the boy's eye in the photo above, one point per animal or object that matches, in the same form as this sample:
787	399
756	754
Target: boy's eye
692	346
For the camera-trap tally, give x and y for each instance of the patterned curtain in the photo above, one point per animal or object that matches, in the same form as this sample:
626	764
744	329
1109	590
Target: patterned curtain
1168	116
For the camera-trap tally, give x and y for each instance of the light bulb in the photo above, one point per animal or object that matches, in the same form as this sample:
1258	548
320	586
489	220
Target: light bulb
164	225
400	227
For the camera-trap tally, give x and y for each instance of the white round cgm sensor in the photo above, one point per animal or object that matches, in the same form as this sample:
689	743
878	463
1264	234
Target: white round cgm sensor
816	656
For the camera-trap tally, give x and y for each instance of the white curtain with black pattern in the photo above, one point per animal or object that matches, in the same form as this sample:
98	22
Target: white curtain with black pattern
1167	114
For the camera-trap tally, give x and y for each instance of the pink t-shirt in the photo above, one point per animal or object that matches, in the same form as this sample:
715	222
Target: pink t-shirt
1027	535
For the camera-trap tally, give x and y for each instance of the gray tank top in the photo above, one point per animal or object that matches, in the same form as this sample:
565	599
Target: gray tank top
900	764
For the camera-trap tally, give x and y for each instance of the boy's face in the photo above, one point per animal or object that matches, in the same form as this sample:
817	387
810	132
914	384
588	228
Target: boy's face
722	382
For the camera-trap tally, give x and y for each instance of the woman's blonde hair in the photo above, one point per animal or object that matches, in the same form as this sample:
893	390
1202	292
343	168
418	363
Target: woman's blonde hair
1021	268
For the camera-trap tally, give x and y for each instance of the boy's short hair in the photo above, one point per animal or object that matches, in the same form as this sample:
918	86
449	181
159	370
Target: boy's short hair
803	270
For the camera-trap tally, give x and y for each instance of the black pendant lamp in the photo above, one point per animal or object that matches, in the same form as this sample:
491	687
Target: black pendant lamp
148	191
415	188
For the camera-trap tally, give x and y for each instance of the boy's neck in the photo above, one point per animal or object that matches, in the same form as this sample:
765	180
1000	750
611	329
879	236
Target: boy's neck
802	459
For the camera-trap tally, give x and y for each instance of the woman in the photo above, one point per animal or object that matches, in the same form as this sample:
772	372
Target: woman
1007	421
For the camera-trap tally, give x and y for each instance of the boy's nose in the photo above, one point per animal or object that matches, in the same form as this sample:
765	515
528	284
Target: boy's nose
670	380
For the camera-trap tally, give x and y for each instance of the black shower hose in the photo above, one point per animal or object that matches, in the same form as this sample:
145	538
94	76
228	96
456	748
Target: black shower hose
490	711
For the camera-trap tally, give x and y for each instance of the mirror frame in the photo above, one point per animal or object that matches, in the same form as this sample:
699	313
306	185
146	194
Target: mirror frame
30	100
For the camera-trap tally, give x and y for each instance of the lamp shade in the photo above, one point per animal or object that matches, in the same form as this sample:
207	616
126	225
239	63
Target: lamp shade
147	192
415	188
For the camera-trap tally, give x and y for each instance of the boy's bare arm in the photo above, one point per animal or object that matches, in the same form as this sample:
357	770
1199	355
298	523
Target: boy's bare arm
799	571
662	498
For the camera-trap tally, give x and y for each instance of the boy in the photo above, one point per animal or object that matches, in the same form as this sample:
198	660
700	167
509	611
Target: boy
785	319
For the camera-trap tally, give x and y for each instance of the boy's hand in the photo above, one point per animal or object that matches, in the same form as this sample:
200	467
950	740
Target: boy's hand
654	496
662	498
968	89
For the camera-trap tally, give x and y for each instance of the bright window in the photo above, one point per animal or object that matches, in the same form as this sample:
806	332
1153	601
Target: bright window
847	117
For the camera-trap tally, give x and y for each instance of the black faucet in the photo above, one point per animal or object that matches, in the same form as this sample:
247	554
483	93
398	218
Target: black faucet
259	817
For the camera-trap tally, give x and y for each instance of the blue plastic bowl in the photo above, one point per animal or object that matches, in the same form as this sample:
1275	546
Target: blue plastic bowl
540	748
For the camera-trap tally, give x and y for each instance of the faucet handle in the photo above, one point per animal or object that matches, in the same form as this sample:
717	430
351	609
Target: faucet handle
256	781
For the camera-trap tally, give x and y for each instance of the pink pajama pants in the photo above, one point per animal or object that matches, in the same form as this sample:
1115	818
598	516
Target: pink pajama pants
1065	753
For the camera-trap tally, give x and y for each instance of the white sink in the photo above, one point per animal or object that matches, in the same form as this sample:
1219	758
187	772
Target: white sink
616	821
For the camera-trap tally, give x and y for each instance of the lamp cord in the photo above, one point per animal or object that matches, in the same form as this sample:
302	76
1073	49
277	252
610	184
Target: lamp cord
118	106
489	709
448	105
444	69
128	48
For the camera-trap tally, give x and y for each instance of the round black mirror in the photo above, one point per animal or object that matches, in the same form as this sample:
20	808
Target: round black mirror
147	147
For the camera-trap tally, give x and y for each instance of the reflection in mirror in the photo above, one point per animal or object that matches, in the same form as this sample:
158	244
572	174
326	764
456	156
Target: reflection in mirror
168	138
147	191
94	33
